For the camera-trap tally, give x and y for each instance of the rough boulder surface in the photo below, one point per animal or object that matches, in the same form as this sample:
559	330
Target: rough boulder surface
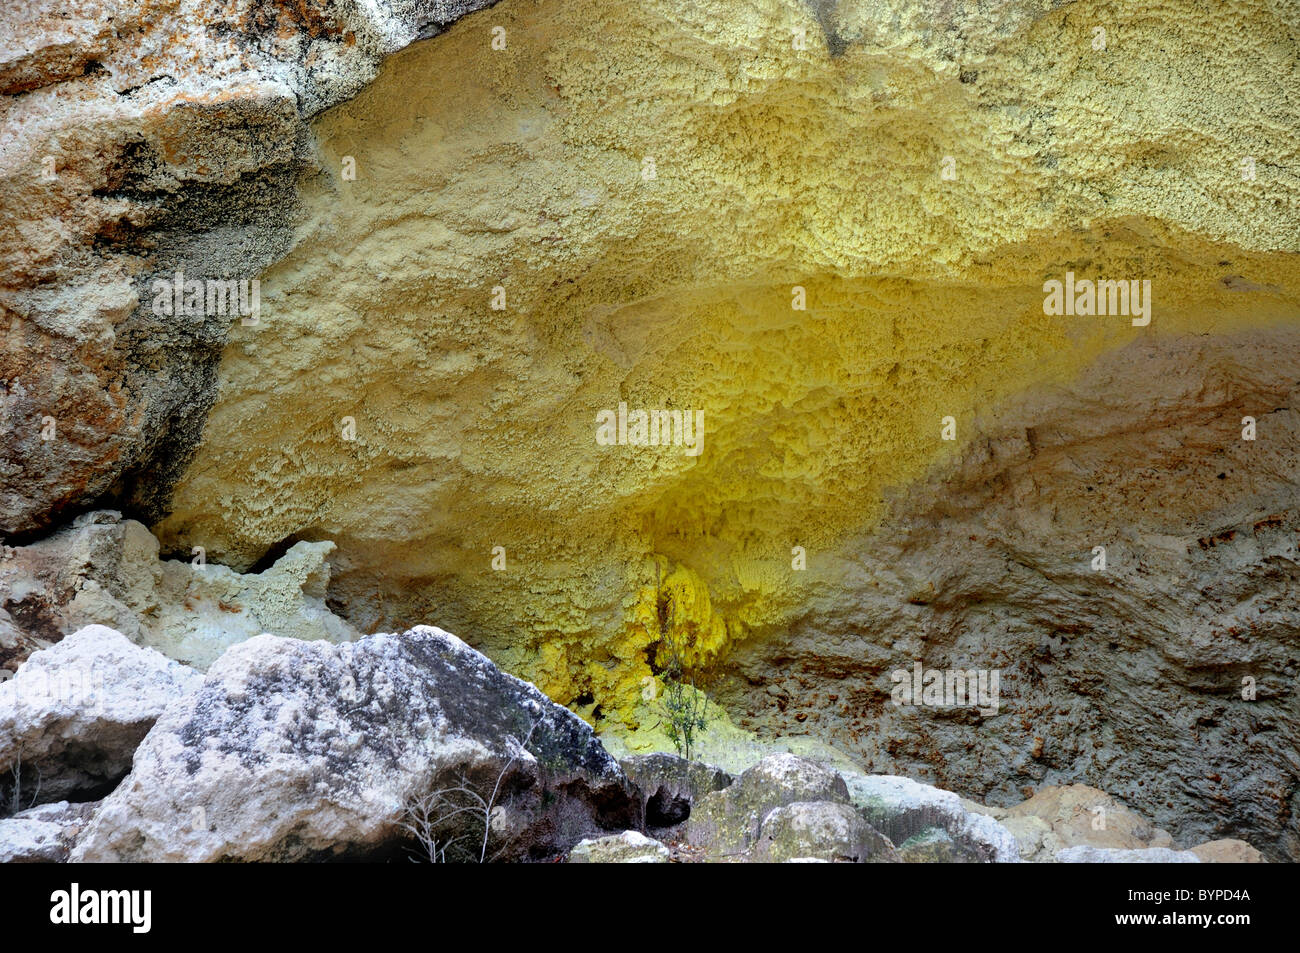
103	569
71	719
670	786
820	830
730	821
298	750
905	810
44	834
1056	818
630	847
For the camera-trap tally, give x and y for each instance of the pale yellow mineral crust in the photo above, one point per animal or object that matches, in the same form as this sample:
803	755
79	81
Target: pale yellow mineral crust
921	186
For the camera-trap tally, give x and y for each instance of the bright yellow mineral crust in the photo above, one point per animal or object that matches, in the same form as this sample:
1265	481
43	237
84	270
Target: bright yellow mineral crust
527	169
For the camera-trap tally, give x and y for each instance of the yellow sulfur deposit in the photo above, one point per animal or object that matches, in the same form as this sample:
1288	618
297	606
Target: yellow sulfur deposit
627	204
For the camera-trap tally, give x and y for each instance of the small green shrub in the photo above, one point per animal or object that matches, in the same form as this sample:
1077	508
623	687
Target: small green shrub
685	706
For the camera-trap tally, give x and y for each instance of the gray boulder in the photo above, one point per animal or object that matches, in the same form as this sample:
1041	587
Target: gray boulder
901	808
727	823
296	750
820	830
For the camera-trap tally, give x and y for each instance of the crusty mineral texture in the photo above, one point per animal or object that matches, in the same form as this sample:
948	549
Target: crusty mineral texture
105	570
622	206
826	233
385	404
1133	678
139	139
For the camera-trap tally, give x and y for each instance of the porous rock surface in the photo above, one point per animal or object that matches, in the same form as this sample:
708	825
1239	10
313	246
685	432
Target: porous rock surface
182	136
1165	679
822	428
935	307
297	750
105	570
139	139
72	716
670	785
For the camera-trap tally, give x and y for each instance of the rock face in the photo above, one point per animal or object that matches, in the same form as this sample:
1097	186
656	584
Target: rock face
827	249
143	139
933	295
1077	815
1070	432
305	750
105	570
71	719
670	786
1166	677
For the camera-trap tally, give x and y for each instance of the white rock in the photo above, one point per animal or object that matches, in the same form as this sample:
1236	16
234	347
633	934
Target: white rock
72	716
25	840
105	570
629	847
298	750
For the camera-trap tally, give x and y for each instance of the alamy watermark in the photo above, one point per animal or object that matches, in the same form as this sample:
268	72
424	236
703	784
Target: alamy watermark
74	906
69	686
651	428
1101	297
182	297
948	688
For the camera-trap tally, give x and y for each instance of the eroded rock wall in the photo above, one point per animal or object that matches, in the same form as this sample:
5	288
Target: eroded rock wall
104	570
641	189
1134	677
524	169
138	140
